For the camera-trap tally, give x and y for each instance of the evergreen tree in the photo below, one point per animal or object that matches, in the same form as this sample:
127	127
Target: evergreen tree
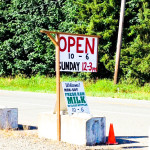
135	57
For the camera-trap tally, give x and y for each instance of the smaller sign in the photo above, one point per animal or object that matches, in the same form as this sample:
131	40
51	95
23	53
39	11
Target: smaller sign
75	97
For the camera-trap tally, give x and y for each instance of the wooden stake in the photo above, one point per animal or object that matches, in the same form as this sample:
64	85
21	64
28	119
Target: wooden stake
58	89
56	43
119	41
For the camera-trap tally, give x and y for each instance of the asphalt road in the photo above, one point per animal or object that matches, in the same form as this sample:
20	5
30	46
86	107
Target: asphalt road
130	118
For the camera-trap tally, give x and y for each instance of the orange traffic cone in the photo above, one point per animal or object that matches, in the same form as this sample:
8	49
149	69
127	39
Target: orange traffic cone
111	137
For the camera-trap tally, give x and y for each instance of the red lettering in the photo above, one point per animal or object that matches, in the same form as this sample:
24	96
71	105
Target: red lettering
62	49
69	42
84	65
79	45
87	44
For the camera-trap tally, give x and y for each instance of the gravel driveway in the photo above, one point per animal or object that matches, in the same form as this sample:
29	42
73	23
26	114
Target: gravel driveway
29	140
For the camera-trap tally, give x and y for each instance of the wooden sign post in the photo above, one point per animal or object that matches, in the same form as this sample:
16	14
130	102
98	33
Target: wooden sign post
58	89
74	53
56	43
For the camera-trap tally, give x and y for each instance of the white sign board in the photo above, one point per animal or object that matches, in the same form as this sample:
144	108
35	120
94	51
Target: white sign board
75	97
78	53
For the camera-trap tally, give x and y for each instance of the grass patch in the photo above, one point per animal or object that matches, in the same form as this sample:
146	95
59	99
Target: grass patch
99	88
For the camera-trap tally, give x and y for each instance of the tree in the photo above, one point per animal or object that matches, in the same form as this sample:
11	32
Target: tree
98	17
23	49
135	59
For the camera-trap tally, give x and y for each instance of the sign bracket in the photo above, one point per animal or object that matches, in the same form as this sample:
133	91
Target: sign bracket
50	36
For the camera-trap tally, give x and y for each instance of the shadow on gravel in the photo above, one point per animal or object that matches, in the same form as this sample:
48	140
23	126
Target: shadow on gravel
26	127
130	147
128	139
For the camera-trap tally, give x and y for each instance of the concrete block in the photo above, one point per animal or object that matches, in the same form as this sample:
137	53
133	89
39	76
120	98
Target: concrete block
47	126
96	131
80	129
8	118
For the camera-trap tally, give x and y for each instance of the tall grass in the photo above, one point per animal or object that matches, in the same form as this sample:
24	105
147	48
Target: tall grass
33	84
102	88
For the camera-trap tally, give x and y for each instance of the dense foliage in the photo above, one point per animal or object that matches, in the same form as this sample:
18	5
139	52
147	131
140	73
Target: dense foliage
135	57
24	50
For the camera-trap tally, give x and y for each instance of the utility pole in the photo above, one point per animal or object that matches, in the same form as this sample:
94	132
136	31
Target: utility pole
119	40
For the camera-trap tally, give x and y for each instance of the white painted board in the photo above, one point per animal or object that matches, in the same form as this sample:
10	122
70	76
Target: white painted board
78	53
75	97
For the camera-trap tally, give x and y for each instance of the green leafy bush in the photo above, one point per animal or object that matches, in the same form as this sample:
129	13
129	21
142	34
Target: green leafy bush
23	49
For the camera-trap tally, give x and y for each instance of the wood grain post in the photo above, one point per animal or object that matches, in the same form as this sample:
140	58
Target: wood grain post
58	89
